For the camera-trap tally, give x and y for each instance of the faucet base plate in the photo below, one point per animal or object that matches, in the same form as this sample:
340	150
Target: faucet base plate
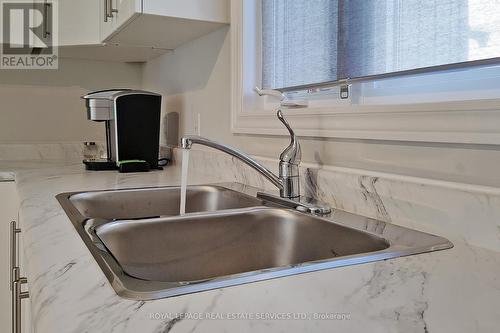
303	204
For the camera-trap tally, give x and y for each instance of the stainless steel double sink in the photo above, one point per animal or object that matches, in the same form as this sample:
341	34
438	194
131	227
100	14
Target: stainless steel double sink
228	237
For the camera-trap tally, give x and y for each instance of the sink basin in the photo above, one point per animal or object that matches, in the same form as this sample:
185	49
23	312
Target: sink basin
229	237
156	202
201	247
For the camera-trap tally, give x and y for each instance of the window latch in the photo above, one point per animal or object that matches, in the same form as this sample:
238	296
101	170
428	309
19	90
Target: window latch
284	101
345	88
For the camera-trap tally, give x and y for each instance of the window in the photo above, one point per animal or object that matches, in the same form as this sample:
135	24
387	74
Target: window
319	41
419	70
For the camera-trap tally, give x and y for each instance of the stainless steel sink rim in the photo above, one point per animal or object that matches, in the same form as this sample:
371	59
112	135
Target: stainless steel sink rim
401	243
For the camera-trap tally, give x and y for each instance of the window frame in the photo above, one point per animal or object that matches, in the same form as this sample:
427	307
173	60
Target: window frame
473	121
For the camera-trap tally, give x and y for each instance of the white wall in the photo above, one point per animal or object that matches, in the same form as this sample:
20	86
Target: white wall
45	106
196	79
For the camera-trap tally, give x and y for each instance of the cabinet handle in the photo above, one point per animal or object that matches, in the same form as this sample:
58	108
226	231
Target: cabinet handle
46	31
14	270
108	9
111	10
15	280
106	15
17	296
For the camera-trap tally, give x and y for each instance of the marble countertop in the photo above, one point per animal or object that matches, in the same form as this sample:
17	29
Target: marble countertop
456	290
8	169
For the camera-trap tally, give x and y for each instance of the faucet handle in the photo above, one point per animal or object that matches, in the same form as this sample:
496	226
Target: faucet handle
292	154
279	113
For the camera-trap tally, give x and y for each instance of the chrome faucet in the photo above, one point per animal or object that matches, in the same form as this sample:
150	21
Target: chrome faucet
288	181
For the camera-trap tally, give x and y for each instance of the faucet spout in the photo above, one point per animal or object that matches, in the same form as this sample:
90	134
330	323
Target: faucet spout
188	141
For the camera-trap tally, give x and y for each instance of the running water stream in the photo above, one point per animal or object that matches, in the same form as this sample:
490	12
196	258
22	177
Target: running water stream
184	175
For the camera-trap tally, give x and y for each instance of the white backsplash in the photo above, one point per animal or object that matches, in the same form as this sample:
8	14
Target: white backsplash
454	210
69	152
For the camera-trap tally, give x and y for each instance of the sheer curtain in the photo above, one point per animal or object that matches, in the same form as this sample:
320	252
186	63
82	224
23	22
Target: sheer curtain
318	41
299	42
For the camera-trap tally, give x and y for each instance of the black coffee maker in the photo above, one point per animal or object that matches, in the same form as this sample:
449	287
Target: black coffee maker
132	120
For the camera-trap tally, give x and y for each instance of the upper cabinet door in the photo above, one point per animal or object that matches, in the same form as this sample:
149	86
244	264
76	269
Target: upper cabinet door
125	10
135	30
107	21
116	14
40	19
79	22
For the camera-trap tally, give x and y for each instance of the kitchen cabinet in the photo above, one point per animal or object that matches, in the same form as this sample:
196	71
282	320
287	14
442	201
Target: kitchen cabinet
26	322
134	30
9	222
41	24
124	30
78	22
8	213
167	24
116	14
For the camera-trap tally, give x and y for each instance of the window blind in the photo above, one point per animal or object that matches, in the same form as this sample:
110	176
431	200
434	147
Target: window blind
317	41
299	42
